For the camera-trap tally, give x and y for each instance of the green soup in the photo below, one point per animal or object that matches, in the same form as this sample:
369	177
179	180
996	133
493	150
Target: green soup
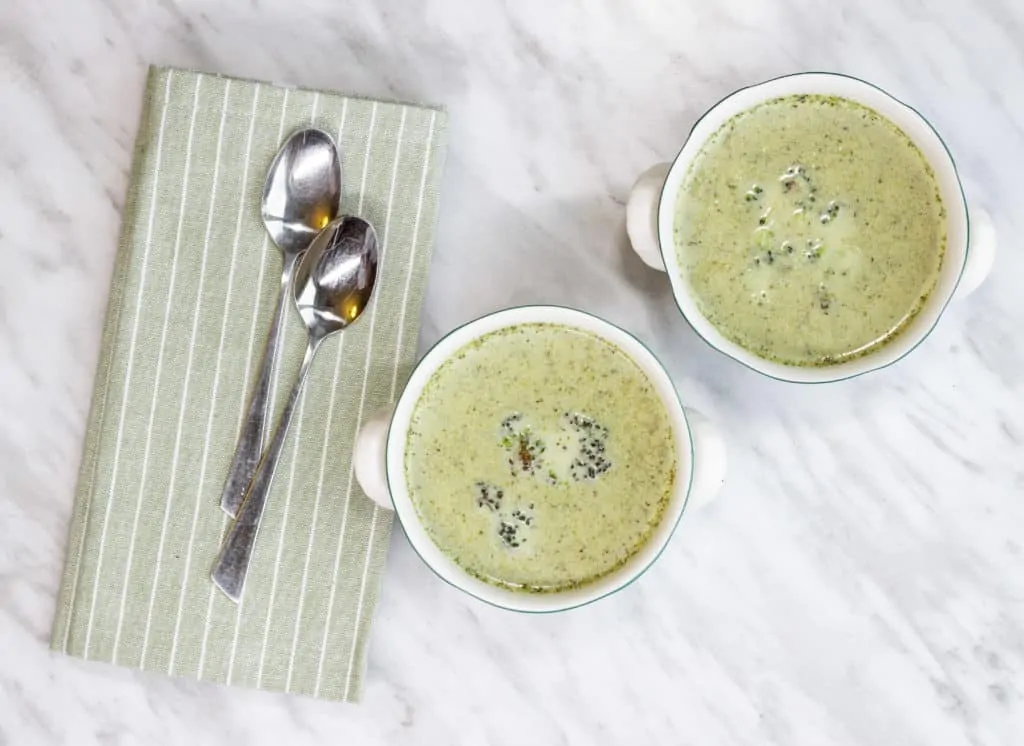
540	458
810	230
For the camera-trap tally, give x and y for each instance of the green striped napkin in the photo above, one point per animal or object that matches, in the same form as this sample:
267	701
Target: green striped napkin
189	309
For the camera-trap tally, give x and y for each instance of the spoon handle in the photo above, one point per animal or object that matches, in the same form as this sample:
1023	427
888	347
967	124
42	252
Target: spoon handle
233	563
250	441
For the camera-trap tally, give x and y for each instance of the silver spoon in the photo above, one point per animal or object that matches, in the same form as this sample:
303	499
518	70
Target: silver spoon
333	284
300	197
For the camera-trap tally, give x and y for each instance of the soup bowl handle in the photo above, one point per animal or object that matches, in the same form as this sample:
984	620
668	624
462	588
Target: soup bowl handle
369	458
709	460
981	252
642	215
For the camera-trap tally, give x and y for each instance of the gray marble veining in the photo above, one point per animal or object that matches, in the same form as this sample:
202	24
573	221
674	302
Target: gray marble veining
860	581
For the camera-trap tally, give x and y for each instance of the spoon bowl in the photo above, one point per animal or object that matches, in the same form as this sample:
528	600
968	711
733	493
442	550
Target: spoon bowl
302	191
335	277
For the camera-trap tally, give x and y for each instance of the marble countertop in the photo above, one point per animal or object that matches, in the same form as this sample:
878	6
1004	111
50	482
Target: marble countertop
861	581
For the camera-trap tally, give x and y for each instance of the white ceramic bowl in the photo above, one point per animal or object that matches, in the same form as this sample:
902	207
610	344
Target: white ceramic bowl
380	459
970	244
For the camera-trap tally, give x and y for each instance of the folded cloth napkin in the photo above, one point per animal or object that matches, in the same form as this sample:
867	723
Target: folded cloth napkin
190	306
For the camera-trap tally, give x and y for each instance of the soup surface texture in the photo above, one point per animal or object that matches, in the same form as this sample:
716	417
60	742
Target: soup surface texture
540	458
810	229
